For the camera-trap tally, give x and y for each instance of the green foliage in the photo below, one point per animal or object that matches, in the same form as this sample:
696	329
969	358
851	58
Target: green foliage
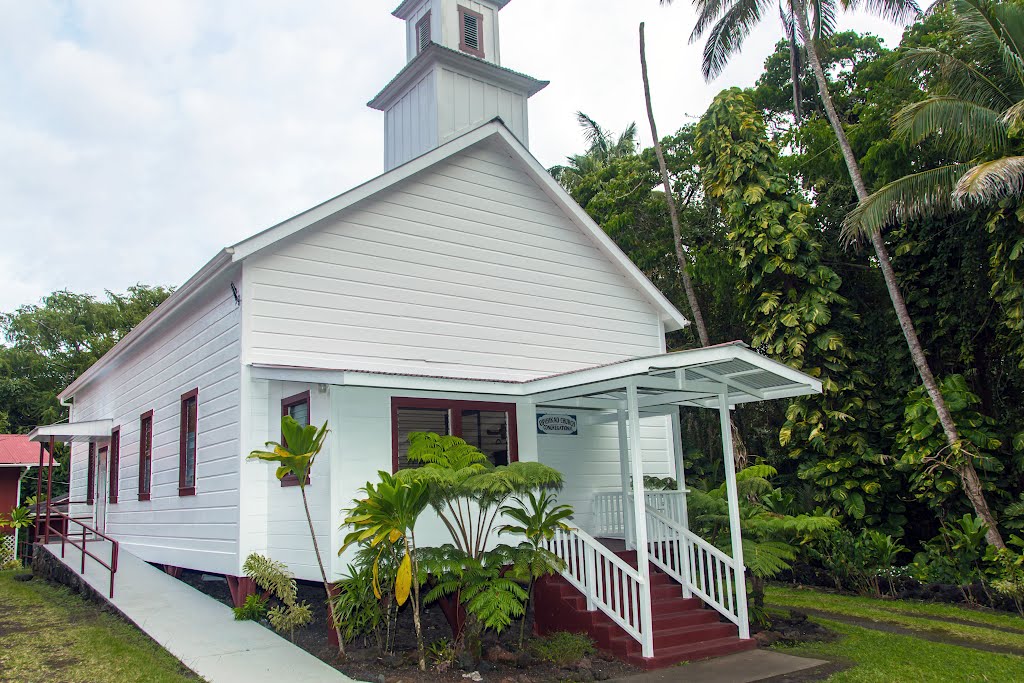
253	609
562	648
652	483
442	654
11	564
926	455
18	518
1007	571
955	556
356	607
274	577
297	455
858	562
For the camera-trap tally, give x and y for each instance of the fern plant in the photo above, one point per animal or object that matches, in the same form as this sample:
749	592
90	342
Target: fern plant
274	577
253	609
537	517
771	540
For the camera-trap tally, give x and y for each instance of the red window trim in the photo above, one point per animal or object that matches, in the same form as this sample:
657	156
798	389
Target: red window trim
477	51
114	464
286	403
183	489
145	494
90	480
425	19
456	407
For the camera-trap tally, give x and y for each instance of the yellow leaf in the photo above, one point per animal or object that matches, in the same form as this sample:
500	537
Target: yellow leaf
403	582
395	535
375	582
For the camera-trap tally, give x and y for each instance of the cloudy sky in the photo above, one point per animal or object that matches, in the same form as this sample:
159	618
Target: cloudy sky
138	138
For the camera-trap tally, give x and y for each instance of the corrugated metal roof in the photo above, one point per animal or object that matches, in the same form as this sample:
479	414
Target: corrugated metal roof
16	449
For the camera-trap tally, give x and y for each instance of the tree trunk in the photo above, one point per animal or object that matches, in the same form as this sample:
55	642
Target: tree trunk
416	602
794	72
323	574
677	236
965	470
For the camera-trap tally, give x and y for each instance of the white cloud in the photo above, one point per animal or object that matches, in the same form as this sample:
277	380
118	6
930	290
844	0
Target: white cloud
137	138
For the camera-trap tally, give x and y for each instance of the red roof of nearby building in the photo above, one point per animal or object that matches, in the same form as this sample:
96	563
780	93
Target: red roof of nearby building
16	449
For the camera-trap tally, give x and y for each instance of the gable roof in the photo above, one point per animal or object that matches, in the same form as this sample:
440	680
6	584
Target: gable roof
492	130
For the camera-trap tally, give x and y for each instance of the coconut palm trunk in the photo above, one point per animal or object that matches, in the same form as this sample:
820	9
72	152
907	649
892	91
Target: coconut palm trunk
964	466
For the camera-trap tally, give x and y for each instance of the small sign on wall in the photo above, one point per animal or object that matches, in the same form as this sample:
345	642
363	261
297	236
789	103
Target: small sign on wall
557	423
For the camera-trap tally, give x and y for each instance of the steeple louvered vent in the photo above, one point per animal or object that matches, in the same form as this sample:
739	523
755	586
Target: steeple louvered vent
423	33
471	32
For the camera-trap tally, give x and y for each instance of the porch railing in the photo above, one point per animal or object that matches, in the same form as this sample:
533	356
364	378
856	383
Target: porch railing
700	567
607	581
81	542
610	509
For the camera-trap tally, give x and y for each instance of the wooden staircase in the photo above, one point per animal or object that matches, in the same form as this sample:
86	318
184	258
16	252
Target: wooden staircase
684	628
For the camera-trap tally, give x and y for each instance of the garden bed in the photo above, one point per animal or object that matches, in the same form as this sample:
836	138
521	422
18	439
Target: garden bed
503	661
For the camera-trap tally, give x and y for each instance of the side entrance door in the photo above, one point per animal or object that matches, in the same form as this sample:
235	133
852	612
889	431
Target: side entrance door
100	504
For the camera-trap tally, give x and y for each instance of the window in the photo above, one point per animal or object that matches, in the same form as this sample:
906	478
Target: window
187	444
145	454
114	465
491	427
90	480
471	37
298	407
423	33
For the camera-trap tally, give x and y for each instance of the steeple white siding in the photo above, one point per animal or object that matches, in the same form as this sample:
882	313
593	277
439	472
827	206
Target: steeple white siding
466	269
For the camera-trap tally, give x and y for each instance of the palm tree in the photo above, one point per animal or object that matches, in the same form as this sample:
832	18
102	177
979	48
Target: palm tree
602	147
730	22
971	112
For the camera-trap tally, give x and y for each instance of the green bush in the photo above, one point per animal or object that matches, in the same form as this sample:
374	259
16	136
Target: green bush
859	562
562	648
253	609
442	654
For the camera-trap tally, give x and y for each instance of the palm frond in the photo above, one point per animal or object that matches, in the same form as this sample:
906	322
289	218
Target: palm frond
996	25
910	197
824	18
727	35
708	12
963	128
991	181
956	76
896	11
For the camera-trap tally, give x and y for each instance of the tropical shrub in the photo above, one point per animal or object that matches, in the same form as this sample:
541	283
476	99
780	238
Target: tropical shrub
562	648
1007	571
253	609
859	562
955	556
385	519
537	518
274	577
296	457
357	608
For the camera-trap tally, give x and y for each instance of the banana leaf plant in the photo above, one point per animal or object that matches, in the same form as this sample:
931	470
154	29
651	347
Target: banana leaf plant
296	457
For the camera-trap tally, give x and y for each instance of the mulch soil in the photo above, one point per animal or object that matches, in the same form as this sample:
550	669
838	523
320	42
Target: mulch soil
503	662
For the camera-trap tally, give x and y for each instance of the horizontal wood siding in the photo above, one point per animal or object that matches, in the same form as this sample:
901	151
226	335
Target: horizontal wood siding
590	461
467	269
199	349
465	102
410	125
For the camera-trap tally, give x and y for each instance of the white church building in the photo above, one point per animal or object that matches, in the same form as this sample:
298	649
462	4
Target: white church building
462	291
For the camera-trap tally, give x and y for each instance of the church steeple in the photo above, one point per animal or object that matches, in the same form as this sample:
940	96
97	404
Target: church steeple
453	80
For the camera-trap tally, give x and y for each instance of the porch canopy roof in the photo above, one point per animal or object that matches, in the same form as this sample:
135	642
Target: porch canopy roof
708	377
73	432
696	377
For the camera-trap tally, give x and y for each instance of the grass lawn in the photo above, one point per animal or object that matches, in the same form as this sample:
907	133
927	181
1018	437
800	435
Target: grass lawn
878	656
912	614
49	634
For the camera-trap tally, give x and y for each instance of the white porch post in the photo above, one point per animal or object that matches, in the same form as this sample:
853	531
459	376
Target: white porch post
627	507
734	515
640	517
677	449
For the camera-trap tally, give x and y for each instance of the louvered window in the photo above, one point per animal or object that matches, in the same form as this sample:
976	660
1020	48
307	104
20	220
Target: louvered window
423	33
471	32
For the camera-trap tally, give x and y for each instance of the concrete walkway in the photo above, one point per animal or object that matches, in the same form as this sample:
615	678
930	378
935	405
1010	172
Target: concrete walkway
195	628
742	667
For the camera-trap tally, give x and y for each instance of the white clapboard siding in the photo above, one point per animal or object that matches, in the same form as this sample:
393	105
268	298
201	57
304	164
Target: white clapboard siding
589	461
201	349
466	269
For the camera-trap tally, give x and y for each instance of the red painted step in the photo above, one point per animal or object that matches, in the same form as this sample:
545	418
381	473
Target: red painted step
684	629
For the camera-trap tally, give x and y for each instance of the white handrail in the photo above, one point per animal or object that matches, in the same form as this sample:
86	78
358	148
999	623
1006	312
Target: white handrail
707	571
607	581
